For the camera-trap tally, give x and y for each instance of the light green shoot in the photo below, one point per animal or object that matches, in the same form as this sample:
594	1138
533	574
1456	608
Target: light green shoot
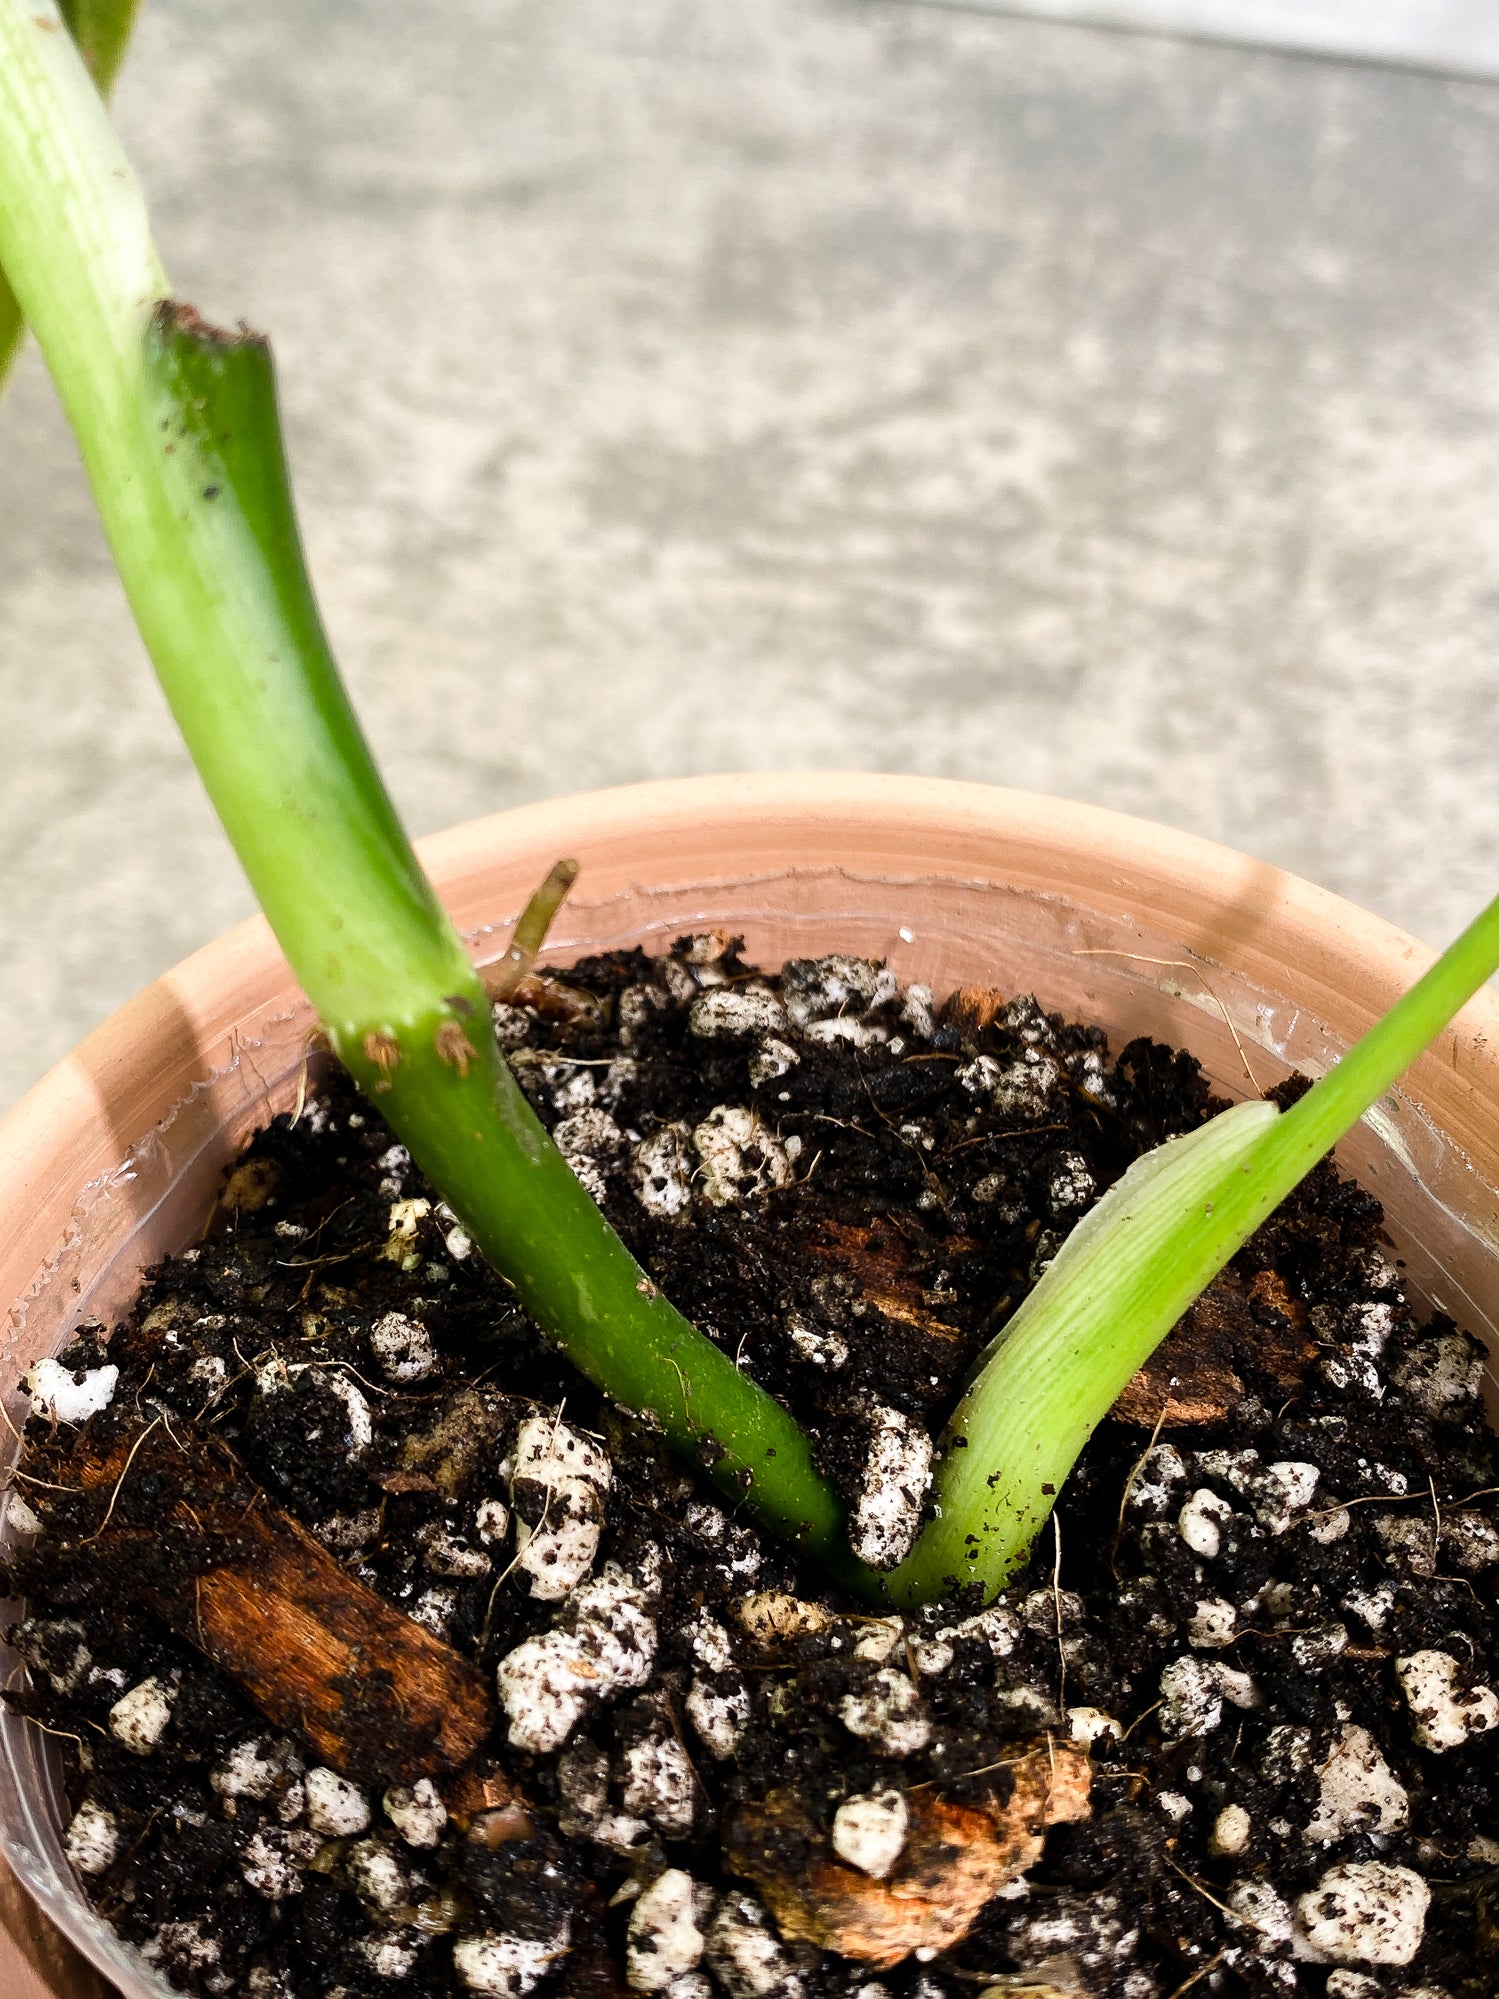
101	29
1125	1276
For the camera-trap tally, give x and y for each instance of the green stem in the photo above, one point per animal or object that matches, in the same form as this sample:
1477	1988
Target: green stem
1125	1276
180	435
101	29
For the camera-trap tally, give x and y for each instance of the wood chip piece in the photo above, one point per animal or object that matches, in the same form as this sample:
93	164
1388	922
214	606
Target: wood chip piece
956	1857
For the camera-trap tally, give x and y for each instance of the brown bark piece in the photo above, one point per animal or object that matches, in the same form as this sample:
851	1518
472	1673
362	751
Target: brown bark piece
971	1008
1189	1381
1283	1347
1194	1377
240	1578
956	1858
877	1261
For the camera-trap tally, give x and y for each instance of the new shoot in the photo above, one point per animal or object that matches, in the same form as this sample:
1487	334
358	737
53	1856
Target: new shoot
1126	1274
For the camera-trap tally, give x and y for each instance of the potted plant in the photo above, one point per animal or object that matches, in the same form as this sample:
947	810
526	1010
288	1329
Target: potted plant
178	426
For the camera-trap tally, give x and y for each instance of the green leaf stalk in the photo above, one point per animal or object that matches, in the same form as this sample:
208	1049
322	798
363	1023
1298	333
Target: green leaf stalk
1127	1273
180	435
101	30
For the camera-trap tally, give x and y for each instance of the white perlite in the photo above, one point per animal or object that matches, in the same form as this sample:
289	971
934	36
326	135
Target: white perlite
665	1940
590	1140
185	1948
869	1832
1470	1542
720	1717
661	1172
447	1554
1156	1477
583	1781
888	1712
269	1865
334	1805
391	1953
93	1838
1257	1906
498	1966
857	1033
1194	1690
1091	1724
745	1955
361	1424
997	1627
492	1520
738	1155
548	1683
710	1643
1441	1375
1231	1831
1211	1626
817	1344
403	1348
401	1245
1192	1697
1366	1913
1358	1790
1346	1984
815	988
1444	1713
259	1768
69	1398
771	1059
898	1470
731	1013
878	1638
1201	1522
659	1784
376	1876
417	1812
138	1720
1319	1646
1277	1493
560	1480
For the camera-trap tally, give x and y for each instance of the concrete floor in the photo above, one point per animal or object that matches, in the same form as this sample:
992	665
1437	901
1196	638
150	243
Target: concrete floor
676	387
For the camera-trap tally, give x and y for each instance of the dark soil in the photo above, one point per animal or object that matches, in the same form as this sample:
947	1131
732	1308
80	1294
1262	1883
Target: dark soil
1269	1598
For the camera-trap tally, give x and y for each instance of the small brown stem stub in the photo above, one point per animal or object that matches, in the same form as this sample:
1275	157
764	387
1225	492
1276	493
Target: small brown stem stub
530	932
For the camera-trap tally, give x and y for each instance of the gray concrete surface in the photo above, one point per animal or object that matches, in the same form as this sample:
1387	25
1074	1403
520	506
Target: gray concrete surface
675	386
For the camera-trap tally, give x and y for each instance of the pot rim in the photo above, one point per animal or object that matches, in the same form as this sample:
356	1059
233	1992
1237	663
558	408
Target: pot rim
1353	964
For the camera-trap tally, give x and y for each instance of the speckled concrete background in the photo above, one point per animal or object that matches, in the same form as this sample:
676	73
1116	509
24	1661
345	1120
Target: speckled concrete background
675	386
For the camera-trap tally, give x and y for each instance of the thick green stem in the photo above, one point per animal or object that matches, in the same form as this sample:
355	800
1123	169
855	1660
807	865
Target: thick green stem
1126	1275
101	28
180	436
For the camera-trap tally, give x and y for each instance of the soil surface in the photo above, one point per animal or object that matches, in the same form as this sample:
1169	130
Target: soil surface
1236	1730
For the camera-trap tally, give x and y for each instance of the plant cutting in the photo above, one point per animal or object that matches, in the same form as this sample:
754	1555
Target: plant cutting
178	428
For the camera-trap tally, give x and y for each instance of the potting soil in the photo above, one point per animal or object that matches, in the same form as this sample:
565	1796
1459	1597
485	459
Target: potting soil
1263	1621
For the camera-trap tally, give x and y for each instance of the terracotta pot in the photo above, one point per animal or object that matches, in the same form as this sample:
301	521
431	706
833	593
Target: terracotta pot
110	1161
